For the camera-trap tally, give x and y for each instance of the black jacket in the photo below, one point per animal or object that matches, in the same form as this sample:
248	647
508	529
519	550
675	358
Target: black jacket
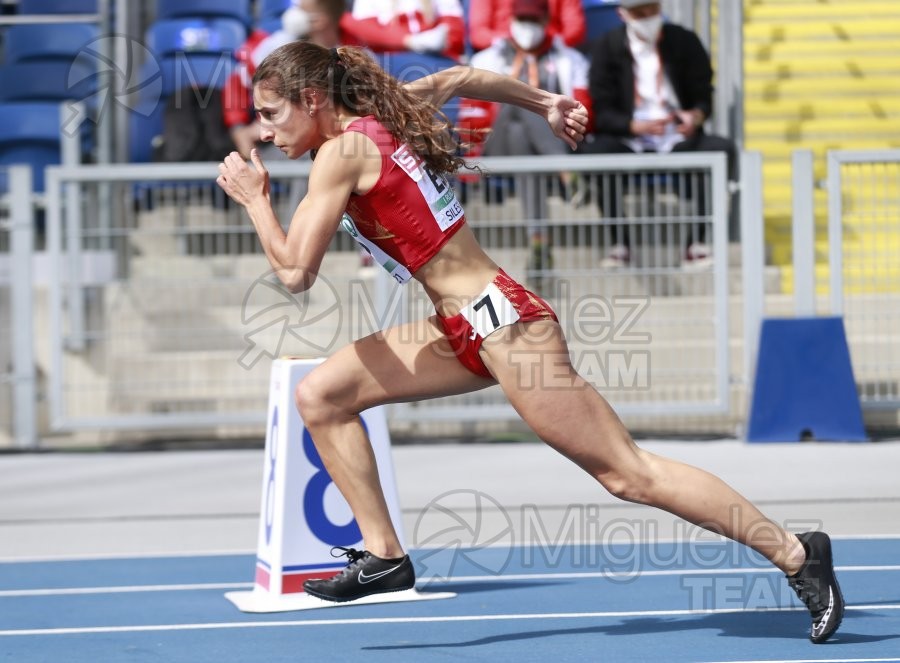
611	77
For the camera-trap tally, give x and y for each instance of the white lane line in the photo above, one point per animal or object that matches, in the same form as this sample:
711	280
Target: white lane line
81	557
124	589
103	557
408	620
818	660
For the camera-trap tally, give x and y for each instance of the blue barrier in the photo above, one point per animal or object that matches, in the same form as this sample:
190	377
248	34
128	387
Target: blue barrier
804	387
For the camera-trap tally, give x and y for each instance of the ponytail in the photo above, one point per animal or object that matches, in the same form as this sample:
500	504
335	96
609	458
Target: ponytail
354	80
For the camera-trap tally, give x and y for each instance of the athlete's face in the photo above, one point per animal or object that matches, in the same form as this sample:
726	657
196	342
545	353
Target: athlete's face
292	127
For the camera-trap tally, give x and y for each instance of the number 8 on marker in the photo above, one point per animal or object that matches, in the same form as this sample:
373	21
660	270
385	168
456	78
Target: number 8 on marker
314	502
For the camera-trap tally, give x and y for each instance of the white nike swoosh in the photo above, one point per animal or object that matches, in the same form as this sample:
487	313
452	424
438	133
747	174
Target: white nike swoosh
363	578
818	628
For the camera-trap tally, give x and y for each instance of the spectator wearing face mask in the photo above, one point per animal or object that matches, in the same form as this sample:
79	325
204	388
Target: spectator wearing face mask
490	20
651	88
535	56
317	21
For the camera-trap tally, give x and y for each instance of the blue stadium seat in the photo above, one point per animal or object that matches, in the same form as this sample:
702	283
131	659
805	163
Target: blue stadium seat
58	6
237	9
176	73
269	25
189	70
29	134
145	123
272	8
47	81
408	66
47	41
195	35
600	16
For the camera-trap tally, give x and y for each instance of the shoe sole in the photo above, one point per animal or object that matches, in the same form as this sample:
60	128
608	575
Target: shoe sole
827	555
333	599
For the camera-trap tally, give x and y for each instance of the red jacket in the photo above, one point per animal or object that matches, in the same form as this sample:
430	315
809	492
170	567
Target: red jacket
490	19
368	27
236	95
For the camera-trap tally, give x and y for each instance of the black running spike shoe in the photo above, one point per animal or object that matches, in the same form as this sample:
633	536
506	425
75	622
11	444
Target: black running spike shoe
817	586
365	574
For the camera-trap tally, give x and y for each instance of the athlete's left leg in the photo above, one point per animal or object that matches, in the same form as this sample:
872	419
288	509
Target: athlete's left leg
531	363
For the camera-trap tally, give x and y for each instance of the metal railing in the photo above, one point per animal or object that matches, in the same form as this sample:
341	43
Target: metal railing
18	381
164	312
864	266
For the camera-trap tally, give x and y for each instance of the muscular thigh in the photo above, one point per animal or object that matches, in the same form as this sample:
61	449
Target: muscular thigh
531	362
404	363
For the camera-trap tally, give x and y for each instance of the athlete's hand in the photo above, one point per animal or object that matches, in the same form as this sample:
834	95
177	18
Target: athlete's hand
568	118
242	183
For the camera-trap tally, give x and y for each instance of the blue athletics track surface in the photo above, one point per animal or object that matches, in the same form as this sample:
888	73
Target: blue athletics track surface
126	557
698	601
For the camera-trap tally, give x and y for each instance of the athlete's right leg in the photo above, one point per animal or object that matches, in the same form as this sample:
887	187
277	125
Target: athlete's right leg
405	363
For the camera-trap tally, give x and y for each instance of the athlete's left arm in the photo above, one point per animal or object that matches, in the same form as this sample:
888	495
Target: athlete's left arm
296	255
567	116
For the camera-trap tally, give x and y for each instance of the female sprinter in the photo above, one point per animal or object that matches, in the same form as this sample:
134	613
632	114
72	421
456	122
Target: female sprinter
381	163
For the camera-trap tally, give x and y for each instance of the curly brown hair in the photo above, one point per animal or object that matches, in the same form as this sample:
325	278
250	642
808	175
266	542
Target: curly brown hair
355	81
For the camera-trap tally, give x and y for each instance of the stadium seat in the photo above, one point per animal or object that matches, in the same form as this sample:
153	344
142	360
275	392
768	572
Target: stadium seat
408	66
47	81
600	16
47	41
29	134
169	37
269	9
58	6
269	25
236	9
200	72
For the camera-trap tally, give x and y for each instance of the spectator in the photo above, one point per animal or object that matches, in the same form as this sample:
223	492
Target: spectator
315	20
424	26
651	87
490	20
542	60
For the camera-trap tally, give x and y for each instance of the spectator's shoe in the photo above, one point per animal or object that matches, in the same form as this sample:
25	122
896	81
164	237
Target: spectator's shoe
817	586
619	255
697	256
364	575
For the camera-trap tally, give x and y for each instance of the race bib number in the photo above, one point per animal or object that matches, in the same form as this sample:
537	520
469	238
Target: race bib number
398	271
490	311
435	189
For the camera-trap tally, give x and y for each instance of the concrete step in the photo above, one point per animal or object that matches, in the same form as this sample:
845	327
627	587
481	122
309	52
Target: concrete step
825	88
802	109
781	12
828	64
851	28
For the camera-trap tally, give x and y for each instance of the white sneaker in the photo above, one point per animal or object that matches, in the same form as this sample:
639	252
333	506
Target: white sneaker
619	256
697	256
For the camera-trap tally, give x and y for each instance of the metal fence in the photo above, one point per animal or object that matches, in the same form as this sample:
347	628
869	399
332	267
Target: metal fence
864	266
18	400
6	353
164	313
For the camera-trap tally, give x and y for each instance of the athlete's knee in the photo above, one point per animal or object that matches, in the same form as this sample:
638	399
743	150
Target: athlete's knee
635	483
314	399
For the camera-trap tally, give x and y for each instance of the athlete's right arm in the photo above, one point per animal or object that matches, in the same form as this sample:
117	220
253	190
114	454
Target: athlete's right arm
296	255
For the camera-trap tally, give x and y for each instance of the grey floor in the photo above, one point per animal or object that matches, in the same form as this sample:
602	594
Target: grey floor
183	502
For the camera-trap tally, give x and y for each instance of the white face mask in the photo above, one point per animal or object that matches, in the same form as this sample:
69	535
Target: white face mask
527	34
646	29
295	22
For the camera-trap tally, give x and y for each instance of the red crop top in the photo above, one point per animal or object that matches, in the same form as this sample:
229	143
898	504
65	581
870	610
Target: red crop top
409	214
